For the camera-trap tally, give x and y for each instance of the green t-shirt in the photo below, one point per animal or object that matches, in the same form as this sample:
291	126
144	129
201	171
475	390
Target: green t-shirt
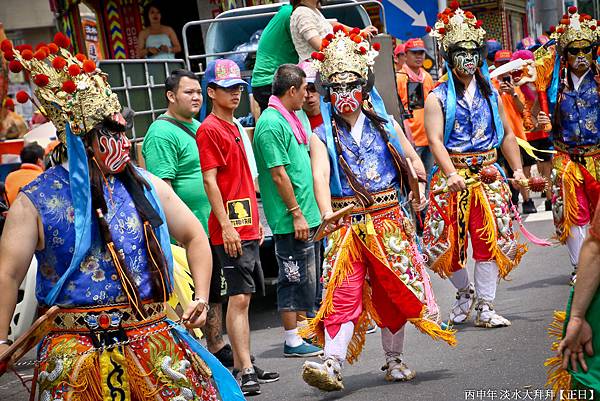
275	47
275	145
172	154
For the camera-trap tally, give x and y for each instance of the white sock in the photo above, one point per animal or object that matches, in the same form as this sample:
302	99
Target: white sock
292	339
574	242
486	279
338	345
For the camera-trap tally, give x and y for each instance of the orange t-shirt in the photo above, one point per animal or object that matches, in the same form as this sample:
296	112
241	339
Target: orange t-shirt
514	117
417	123
18	179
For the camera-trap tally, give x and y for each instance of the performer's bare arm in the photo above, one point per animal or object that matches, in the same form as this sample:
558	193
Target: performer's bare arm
188	231
319	161
19	241
578	336
509	146
286	191
434	127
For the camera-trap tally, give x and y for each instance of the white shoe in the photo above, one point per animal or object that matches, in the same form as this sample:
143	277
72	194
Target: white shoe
461	308
397	371
487	316
326	376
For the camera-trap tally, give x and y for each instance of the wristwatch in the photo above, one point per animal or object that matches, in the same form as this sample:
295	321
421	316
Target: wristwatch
204	302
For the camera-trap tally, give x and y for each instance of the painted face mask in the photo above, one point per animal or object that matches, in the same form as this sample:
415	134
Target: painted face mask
579	54
113	150
466	61
346	98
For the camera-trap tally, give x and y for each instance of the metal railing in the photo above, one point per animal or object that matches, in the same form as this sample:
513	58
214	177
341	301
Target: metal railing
121	83
189	57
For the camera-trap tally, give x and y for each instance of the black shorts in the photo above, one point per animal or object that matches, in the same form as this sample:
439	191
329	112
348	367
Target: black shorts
217	293
540	144
262	94
243	274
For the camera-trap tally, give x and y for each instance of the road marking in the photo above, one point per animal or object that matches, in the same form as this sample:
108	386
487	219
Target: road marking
539	216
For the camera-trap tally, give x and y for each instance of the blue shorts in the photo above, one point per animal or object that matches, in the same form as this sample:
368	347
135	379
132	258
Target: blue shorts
297	280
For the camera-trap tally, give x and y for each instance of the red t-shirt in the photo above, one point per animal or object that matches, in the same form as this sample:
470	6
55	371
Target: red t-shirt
220	146
315	120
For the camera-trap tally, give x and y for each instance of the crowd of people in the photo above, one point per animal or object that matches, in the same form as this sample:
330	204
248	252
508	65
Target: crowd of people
393	199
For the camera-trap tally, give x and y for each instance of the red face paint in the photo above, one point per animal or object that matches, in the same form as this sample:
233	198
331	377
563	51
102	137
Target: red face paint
114	152
346	100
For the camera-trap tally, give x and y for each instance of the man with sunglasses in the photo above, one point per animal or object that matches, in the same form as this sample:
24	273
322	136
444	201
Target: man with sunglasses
234	227
576	130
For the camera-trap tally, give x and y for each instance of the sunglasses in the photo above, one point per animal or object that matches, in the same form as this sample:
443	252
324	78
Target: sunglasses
576	50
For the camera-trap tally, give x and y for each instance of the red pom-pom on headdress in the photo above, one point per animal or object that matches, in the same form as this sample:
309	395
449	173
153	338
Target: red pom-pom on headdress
69	86
59	63
469	14
74	70
40	54
9	104
338	28
61	40
428	29
552	29
441	30
6	45
89	66
329	36
27	54
53	48
41	80
454	5
9	55
362	50
40	45
479	23
15	66
376	46
355	31
80	57
22	97
572	10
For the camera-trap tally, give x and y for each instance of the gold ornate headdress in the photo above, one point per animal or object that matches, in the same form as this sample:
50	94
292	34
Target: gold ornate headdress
69	88
574	26
455	25
345	51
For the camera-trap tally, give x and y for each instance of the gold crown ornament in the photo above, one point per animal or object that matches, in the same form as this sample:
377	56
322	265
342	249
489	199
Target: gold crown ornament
574	26
345	51
455	25
69	88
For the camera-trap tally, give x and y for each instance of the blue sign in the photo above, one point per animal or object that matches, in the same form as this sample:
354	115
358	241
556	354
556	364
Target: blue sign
407	19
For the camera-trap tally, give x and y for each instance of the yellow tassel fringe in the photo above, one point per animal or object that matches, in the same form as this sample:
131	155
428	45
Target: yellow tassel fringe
570	178
557	378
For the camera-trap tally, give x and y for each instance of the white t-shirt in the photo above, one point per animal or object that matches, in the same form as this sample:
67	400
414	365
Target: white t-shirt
305	24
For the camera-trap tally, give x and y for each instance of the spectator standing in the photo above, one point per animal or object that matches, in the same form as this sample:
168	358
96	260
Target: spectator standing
170	153
285	177
414	85
399	57
312	102
157	41
275	48
308	26
234	226
32	165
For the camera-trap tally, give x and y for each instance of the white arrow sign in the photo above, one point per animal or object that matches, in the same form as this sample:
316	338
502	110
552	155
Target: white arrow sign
418	19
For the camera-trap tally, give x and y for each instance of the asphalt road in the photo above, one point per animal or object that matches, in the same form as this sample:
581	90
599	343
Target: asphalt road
486	365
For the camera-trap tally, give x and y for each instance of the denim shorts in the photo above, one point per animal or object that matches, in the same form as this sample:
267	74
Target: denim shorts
297	280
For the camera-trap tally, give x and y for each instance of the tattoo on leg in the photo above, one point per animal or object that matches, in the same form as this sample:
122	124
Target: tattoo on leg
213	329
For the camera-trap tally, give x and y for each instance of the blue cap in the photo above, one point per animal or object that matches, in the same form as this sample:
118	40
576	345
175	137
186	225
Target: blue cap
224	73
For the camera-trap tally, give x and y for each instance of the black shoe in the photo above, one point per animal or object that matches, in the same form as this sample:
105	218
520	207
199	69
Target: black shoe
548	205
249	383
262	375
529	207
225	356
